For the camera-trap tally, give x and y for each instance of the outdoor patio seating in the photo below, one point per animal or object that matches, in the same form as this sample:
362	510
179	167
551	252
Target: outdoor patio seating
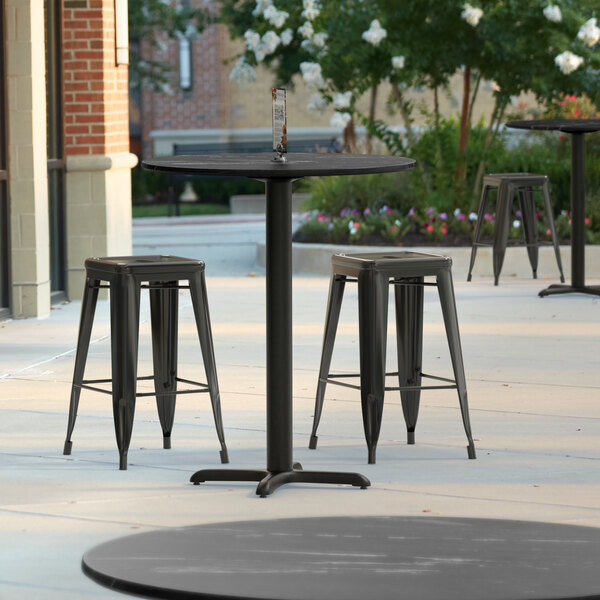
507	184
125	276
374	272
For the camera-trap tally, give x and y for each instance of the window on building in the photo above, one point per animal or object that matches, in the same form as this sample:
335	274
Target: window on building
4	239
185	63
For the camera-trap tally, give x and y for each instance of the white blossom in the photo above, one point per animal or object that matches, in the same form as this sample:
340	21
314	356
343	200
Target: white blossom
568	62
398	62
589	32
261	6
471	14
319	39
311	10
342	100
276	17
306	30
516	223
316	103
271	40
340	119
552	13
473	216
242	72
252	39
286	37
312	75
375	33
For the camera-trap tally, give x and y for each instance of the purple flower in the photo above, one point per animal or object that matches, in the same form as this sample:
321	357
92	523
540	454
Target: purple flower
411	212
519	214
367	211
344	212
488	217
443	216
430	210
461	217
355	212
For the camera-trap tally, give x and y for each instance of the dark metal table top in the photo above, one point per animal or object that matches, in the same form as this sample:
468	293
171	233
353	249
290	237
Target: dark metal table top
353	558
261	165
565	125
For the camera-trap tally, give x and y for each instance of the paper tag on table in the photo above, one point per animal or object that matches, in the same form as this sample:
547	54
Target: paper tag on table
279	122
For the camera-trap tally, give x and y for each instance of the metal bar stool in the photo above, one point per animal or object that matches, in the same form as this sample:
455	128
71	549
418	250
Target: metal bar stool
507	184
374	272
125	275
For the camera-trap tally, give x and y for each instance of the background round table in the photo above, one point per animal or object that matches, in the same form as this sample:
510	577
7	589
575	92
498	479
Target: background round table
577	128
355	558
278	178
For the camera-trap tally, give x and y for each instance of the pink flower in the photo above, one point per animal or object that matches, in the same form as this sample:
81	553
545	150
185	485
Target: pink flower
322	218
548	232
394	228
587	221
429	228
488	217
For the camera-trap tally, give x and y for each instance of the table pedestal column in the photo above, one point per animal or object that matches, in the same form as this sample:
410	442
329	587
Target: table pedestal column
280	466
577	224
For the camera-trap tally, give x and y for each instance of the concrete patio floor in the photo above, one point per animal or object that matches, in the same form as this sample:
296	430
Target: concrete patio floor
533	377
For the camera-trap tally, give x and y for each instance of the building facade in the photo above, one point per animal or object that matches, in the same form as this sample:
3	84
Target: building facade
65	185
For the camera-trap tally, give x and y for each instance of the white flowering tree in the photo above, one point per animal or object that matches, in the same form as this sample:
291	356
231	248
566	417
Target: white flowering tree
345	48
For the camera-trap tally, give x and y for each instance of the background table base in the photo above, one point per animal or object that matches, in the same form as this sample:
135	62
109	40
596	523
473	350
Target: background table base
353	558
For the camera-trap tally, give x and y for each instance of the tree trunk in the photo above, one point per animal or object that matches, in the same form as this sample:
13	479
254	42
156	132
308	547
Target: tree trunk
464	135
350	137
372	107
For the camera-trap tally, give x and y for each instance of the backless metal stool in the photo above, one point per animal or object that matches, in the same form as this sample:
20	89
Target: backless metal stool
507	184
125	275
374	272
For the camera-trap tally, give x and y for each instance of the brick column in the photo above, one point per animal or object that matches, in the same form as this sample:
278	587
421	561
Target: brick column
98	161
28	175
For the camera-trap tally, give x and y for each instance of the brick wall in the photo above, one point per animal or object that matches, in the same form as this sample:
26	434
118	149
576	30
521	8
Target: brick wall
201	107
96	95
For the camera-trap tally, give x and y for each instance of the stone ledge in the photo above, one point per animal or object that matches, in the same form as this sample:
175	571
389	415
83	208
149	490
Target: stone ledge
101	162
316	258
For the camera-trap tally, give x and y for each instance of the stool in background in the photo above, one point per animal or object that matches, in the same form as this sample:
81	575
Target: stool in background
125	275
374	273
507	184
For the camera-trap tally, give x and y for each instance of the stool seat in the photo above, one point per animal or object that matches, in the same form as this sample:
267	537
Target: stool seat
507	184
125	276
374	273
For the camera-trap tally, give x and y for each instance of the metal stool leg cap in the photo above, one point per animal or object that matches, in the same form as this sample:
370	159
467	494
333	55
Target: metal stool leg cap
313	442
469	277
372	456
123	462
535	274
67	448
410	437
471	450
167	442
224	456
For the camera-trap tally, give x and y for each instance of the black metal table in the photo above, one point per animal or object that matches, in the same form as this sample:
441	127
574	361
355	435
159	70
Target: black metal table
278	177
577	128
353	558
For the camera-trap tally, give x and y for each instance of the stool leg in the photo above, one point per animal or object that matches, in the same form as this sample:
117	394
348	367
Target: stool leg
200	302
409	338
527	204
503	209
477	234
448	302
164	308
334	304
373	290
86	320
124	325
550	214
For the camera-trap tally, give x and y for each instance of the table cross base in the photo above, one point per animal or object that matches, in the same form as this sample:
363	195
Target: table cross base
570	289
269	481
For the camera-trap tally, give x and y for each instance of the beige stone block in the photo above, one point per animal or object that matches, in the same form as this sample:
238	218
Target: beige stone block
100	246
11	23
35	300
18	58
78	249
21	193
75	283
20	125
24	162
24	92
27	232
98	181
78	188
87	220
24	21
24	266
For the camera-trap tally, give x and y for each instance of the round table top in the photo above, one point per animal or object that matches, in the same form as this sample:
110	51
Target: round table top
565	125
353	558
262	166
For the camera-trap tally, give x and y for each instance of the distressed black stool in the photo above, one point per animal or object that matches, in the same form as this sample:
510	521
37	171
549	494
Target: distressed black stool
507	184
374	272
125	275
